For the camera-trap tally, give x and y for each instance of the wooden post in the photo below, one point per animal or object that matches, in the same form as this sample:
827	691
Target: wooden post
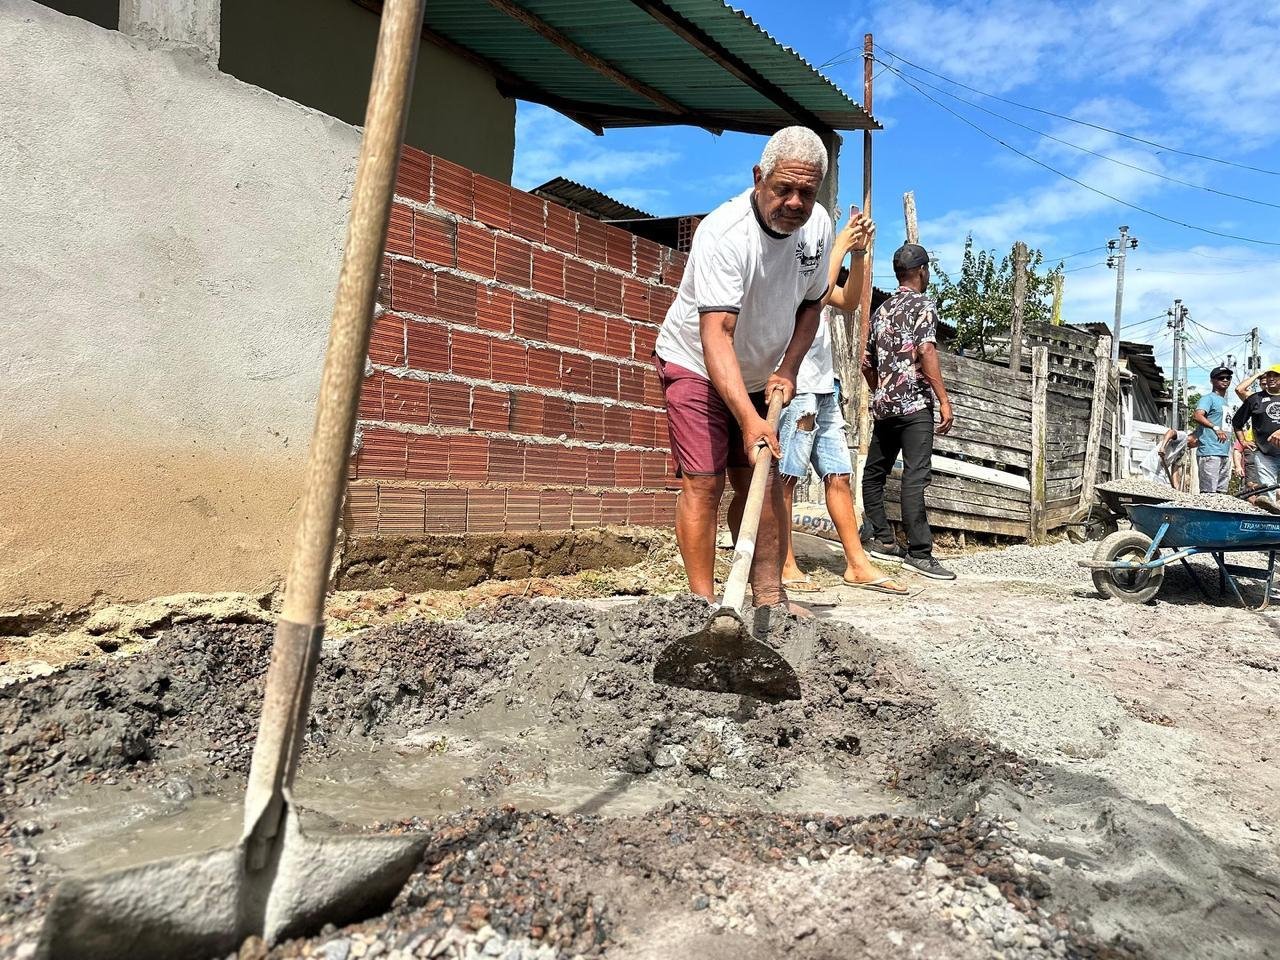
1039	437
1055	316
909	215
1097	419
864	308
1019	303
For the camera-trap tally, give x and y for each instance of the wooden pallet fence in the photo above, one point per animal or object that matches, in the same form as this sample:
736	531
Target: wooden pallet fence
1029	446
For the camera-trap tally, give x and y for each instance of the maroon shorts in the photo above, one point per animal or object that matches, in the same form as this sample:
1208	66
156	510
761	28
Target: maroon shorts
705	437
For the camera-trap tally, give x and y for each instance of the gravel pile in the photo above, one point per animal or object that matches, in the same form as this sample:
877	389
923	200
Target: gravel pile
1219	502
1051	563
1142	488
531	886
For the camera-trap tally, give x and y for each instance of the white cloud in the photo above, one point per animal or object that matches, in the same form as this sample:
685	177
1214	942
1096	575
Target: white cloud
550	145
1207	63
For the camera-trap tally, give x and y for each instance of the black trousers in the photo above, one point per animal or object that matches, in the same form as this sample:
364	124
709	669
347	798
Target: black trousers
913	436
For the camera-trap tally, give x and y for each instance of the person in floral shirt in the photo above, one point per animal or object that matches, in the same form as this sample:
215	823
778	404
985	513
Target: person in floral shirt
901	367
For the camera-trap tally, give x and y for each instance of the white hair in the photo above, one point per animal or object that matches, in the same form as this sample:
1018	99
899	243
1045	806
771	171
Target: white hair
794	143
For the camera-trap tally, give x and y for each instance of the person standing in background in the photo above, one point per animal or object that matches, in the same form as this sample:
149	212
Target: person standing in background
811	429
1215	441
901	367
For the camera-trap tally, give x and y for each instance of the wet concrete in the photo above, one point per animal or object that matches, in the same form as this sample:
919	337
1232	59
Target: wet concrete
547	711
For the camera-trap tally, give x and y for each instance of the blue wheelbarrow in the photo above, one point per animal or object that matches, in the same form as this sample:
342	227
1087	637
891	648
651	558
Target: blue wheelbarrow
1130	564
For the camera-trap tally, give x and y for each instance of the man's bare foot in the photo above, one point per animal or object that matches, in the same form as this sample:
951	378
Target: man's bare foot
801	613
792	573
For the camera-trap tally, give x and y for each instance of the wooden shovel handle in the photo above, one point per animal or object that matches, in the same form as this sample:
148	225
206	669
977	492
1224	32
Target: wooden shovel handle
735	588
297	642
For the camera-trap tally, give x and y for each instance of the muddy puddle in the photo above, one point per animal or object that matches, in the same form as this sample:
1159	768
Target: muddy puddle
575	808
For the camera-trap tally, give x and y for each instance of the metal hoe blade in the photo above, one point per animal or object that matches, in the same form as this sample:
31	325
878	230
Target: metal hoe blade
723	657
207	905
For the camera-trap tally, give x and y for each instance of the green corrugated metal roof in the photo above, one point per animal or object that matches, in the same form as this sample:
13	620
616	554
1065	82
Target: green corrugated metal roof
764	85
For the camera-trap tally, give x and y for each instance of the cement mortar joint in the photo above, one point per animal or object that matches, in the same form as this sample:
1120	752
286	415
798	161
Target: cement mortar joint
527	294
531	487
426	430
408	373
445	214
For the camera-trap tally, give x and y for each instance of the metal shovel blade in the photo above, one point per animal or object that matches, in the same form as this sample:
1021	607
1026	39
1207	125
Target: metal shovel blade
208	905
723	657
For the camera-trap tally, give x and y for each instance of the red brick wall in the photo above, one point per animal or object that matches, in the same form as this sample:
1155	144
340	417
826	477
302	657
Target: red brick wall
511	384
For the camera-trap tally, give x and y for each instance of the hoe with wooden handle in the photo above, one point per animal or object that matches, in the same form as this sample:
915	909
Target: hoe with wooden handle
278	882
723	657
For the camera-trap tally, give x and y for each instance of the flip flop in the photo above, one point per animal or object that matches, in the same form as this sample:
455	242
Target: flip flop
879	586
801	586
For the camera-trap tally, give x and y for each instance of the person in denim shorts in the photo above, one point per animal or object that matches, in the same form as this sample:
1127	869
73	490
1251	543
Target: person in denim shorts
811	429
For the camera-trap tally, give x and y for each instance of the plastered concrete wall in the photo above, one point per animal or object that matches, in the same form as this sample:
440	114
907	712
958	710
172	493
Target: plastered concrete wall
169	244
320	52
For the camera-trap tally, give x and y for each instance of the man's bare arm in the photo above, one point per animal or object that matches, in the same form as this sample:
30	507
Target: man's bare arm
716	329
801	340
932	372
1242	388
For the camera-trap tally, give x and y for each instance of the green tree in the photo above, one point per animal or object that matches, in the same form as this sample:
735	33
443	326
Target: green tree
1189	416
979	303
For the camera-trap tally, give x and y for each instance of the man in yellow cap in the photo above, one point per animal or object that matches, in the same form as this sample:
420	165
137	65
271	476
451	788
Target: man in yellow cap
1262	412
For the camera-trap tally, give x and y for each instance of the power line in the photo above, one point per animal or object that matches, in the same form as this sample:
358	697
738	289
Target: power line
1072	255
1083	123
1077	182
1139	323
1219	333
1092	153
1087	267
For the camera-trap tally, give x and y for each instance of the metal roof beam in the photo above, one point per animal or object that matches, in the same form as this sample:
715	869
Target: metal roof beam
743	71
601	66
594	113
503	77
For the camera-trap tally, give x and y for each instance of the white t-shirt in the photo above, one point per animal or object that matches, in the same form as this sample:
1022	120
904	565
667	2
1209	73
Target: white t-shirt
817	369
736	267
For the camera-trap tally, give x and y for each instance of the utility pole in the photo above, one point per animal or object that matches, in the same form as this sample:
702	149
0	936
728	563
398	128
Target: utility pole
1255	353
1120	248
1177	314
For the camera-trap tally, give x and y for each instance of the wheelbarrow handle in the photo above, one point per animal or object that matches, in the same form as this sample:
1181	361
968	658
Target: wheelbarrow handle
735	588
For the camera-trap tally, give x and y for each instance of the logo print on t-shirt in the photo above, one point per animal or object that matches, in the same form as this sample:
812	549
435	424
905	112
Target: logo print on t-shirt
1272	410
809	262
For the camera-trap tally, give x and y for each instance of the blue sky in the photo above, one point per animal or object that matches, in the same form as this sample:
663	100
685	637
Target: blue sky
1194	75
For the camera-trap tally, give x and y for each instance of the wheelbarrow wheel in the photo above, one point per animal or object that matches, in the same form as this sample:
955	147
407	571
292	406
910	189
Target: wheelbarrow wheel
1134	586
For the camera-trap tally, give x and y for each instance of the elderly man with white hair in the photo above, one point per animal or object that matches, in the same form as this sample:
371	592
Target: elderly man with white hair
743	320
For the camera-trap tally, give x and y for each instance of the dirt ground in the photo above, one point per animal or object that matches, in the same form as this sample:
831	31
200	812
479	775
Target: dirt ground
1008	766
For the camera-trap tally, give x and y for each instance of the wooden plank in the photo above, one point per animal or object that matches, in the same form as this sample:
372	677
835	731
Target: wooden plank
938	501
1039	400
965	486
952	520
1066	335
1019	305
983	431
988	476
973	496
1097	420
969	400
964	366
1016	408
983	451
1069	390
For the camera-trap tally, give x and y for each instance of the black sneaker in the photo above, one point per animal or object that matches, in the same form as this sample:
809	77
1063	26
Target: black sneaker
885	552
928	567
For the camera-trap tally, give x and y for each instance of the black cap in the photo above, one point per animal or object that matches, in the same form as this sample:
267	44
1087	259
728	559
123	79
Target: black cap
1219	371
909	256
